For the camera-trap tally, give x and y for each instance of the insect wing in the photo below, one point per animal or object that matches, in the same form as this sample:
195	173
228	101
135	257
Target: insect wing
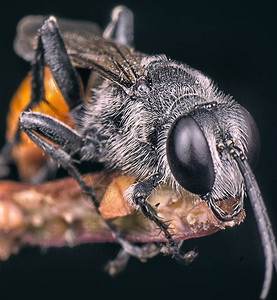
28	28
87	48
113	61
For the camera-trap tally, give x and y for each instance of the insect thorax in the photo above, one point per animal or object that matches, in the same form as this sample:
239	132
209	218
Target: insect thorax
133	127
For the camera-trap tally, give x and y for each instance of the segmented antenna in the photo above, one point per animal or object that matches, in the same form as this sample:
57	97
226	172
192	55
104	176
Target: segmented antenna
262	219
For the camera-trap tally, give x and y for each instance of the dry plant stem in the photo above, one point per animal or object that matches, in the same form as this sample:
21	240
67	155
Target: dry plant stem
58	213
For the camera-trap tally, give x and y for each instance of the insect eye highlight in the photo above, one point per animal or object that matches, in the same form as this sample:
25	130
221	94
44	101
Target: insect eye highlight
189	156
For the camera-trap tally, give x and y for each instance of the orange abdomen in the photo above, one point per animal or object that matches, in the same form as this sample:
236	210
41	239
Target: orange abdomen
28	157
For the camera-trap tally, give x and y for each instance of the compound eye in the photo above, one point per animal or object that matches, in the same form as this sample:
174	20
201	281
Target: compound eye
252	138
189	156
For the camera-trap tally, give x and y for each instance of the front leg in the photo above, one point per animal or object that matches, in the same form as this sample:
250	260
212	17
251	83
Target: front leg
138	195
59	141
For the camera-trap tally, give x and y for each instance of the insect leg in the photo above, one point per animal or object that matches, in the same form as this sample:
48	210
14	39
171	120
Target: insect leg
140	193
52	129
117	265
121	27
55	56
50	52
38	127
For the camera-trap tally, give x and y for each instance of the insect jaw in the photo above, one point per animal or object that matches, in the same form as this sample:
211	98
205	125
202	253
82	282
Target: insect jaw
260	212
221	214
226	146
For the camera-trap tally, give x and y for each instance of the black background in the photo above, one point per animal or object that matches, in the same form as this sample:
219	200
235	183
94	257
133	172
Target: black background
235	44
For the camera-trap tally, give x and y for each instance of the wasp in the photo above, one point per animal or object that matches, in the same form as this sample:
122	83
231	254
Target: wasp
147	116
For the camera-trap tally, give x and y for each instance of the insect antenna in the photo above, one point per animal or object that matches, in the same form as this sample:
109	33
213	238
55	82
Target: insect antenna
262	219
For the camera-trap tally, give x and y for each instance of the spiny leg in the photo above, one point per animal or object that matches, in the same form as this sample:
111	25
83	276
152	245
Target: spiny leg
141	192
62	135
138	195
